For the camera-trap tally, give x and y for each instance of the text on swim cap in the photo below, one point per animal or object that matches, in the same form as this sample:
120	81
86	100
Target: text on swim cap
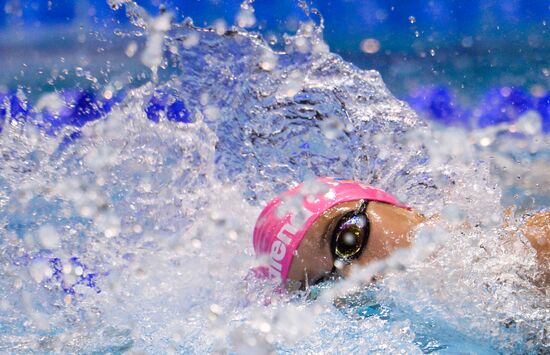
279	247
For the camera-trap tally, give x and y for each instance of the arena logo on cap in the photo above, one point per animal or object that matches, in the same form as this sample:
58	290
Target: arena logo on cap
281	246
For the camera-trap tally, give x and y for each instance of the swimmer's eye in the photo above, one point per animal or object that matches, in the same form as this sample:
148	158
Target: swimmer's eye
351	234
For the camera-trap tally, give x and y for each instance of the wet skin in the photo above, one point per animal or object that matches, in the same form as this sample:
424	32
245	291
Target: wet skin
391	228
537	230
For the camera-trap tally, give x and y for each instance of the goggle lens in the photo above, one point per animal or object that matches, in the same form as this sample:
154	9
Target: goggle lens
351	234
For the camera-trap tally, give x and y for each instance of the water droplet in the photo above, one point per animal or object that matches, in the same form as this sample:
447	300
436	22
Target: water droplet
48	237
268	61
370	45
115	4
67	268
246	18
40	270
216	309
212	112
302	44
191	40
108	94
485	141
220	27
68	299
233	235
537	90
131	49
272	39
339	264
332	127
265	327
530	123
467	42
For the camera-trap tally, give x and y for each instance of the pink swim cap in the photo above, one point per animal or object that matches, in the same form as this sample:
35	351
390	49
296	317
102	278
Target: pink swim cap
285	220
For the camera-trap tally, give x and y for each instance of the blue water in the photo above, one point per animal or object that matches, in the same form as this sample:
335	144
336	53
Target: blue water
127	206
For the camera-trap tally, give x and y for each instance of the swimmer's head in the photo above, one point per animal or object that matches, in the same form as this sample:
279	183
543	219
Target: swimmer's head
322	227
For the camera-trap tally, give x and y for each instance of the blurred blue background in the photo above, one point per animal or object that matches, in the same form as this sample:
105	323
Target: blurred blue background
447	58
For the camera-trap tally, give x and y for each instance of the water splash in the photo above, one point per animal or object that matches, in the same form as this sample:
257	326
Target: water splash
135	232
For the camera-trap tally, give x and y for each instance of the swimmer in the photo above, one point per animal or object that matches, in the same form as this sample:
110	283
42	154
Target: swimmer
347	224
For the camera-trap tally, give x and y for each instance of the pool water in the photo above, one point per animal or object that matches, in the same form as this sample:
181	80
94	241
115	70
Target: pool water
127	210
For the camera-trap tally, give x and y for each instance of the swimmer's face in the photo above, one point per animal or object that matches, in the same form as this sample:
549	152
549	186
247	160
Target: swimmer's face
390	229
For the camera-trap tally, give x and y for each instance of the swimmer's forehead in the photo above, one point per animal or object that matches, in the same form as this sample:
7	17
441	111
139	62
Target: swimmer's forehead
340	208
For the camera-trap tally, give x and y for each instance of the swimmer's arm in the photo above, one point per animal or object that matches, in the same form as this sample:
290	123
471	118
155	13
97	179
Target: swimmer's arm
537	230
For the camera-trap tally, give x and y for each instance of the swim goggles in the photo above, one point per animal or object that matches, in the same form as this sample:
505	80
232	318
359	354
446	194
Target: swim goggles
349	238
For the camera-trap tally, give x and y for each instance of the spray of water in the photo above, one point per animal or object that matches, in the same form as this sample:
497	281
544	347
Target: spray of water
133	231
